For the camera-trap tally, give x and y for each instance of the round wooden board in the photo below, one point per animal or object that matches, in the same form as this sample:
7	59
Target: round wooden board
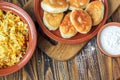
61	52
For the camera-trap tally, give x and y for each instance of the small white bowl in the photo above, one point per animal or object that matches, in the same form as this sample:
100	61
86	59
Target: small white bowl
99	40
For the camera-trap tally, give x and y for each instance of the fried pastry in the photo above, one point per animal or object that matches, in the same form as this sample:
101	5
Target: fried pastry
96	10
81	21
66	28
77	4
52	20
54	6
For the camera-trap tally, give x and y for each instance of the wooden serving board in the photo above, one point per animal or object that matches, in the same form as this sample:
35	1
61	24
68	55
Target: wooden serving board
61	51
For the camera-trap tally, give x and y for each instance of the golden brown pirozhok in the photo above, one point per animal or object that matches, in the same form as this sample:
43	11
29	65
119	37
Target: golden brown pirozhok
96	10
54	6
67	30
52	20
81	21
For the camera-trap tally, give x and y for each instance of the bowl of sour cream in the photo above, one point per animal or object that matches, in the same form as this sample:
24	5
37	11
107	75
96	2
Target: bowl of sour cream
108	39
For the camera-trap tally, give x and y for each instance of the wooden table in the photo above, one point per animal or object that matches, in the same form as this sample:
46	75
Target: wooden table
88	64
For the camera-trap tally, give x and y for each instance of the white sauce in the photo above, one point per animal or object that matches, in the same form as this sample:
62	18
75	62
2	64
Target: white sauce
110	40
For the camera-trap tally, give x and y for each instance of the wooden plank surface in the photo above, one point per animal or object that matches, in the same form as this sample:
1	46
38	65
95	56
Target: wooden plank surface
89	64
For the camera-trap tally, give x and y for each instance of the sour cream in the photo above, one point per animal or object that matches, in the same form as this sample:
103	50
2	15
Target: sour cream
110	40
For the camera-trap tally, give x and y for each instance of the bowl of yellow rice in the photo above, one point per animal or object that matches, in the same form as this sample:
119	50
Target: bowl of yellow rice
17	38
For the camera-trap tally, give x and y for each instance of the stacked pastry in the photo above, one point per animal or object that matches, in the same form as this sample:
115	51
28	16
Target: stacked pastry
72	16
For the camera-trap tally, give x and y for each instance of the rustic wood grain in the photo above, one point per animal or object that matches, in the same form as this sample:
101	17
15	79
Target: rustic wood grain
113	5
89	64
